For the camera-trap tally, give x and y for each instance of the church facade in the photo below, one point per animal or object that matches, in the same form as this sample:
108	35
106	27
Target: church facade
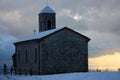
52	50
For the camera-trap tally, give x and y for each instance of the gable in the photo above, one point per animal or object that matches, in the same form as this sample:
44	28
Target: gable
77	34
66	35
66	32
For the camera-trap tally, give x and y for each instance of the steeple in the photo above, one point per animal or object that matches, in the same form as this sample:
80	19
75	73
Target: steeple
47	19
47	9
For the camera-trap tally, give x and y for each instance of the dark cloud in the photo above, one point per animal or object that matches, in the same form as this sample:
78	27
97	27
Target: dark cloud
100	11
102	43
107	22
6	47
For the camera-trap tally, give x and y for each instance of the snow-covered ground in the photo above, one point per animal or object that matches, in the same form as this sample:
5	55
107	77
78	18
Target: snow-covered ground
69	76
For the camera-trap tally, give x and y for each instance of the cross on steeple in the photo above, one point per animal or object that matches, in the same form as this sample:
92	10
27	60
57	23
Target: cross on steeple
34	31
47	2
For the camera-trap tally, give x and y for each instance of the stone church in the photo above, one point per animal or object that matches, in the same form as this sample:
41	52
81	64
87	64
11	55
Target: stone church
52	50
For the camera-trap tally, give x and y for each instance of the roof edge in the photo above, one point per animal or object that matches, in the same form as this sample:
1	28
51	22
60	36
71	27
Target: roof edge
57	30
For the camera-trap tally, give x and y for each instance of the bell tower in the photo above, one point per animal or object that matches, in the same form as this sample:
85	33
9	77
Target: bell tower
47	19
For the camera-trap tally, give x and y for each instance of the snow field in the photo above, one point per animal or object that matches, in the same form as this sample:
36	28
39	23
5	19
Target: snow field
68	76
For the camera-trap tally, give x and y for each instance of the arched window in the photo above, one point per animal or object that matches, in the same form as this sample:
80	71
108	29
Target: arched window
40	25
35	55
49	24
26	56
18	55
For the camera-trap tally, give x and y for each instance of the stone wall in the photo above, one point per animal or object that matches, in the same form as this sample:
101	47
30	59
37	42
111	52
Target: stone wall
22	64
43	21
64	51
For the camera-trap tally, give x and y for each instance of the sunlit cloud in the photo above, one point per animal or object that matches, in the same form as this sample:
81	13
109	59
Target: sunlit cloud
64	12
110	62
77	17
69	13
11	16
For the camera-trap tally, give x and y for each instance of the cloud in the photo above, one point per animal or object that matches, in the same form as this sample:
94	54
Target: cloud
105	21
9	16
109	62
102	43
6	47
82	13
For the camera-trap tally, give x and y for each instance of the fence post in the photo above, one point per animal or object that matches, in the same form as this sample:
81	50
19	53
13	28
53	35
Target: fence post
19	71
5	69
11	70
30	71
25	72
14	69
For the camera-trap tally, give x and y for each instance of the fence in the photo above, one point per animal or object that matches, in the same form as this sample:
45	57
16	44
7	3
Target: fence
28	71
13	70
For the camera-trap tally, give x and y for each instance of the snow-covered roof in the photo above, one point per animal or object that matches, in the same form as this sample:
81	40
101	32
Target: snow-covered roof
40	35
44	34
47	9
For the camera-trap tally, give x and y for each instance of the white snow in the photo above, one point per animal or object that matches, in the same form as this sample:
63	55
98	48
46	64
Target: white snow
47	9
40	35
69	76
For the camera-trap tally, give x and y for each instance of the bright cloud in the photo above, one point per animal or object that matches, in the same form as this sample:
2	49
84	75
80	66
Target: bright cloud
110	62
11	16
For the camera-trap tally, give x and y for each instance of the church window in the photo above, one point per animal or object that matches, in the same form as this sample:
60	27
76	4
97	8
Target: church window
18	56
41	25
26	56
35	55
49	24
46	56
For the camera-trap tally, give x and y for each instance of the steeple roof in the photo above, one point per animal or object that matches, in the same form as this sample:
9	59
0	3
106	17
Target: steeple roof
47	9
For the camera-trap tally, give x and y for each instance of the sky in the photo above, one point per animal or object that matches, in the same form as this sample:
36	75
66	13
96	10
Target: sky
97	19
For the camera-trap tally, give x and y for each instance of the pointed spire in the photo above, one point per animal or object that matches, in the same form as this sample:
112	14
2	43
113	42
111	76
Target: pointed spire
47	9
